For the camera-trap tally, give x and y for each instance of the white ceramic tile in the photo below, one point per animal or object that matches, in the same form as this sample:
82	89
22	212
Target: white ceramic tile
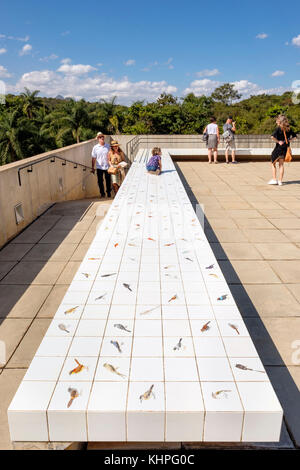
239	347
113	369
263	413
72	418
248	369
148	297
27	411
224	414
178	347
196	312
44	369
102	297
85	346
54	346
75	298
106	414
232	327
80	286
176	328
174	312
69	311
226	312
109	349
95	312
146	369
148	311
181	369
147	327
122	312
147	347
209	346
213	369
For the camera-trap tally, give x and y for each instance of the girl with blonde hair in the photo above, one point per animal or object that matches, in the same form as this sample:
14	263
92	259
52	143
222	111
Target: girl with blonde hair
154	164
282	135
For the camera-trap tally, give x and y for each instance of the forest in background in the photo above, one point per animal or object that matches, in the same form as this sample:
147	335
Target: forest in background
30	125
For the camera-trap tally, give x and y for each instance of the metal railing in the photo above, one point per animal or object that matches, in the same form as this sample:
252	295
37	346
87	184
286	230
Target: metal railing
52	158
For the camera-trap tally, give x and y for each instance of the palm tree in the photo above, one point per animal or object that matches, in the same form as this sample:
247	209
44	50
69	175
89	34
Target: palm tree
72	120
30	102
10	141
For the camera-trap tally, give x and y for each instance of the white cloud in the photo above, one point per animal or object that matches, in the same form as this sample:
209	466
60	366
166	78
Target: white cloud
278	73
296	41
50	57
244	87
25	39
202	87
67	60
77	69
4	73
52	83
261	36
129	62
99	64
3	50
25	49
207	73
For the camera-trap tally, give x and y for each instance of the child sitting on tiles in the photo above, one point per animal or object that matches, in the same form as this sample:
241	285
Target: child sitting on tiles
154	164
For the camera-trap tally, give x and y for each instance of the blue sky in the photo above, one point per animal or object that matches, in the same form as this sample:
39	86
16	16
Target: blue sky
136	50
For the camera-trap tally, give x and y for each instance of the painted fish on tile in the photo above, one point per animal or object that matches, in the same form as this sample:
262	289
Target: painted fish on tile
210	266
242	367
132	244
73	394
178	345
189	259
234	327
113	370
214	275
147	394
101	296
149	310
169	266
151	239
205	327
133	259
107	275
172	276
127	286
87	275
116	244
173	298
71	310
93	259
116	345
169	244
222	297
77	369
220	394
63	327
121	327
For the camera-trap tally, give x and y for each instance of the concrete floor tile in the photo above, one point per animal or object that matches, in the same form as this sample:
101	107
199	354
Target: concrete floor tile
67	275
5	267
295	290
240	251
288	271
261	236
63	236
12	331
292	235
221	223
273	300
255	272
10	379
53	301
278	251
275	214
36	272
286	335
295	372
26	350
225	235
80	252
15	251
253	223
235	205
28	236
51	252
18	301
292	223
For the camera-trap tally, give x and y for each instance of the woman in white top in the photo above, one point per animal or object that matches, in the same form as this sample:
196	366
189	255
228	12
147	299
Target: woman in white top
213	139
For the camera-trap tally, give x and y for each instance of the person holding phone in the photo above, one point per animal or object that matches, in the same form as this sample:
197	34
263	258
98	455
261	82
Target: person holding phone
282	135
229	128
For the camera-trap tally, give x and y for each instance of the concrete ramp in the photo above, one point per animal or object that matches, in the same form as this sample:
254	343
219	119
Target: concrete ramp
148	343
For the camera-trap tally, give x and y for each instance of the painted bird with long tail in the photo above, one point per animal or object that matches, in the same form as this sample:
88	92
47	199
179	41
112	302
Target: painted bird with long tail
147	394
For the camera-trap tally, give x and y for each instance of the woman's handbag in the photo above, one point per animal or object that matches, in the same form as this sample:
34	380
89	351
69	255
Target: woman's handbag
112	170
205	137
288	155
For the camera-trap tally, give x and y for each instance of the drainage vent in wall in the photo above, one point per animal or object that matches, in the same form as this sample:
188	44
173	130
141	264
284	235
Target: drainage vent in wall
19	213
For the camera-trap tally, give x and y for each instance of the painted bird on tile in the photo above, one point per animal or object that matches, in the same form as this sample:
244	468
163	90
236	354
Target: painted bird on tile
189	259
178	345
205	327
222	297
101	296
87	275
127	286
121	327
74	394
63	327
113	370
77	369
147	394
107	275
210	266
71	310
149	310
173	298
234	327
116	345
242	367
220	393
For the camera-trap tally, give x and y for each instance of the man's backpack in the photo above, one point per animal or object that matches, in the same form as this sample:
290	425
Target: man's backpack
227	136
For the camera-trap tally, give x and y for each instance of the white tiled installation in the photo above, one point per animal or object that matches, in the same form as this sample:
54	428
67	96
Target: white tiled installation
148	343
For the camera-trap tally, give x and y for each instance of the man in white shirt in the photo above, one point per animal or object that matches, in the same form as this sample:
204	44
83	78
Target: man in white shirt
99	158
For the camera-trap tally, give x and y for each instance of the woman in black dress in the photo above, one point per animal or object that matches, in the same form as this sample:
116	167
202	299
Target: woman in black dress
281	147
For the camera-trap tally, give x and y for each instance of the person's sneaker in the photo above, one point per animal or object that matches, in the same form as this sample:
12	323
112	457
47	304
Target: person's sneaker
273	182
234	162
280	183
